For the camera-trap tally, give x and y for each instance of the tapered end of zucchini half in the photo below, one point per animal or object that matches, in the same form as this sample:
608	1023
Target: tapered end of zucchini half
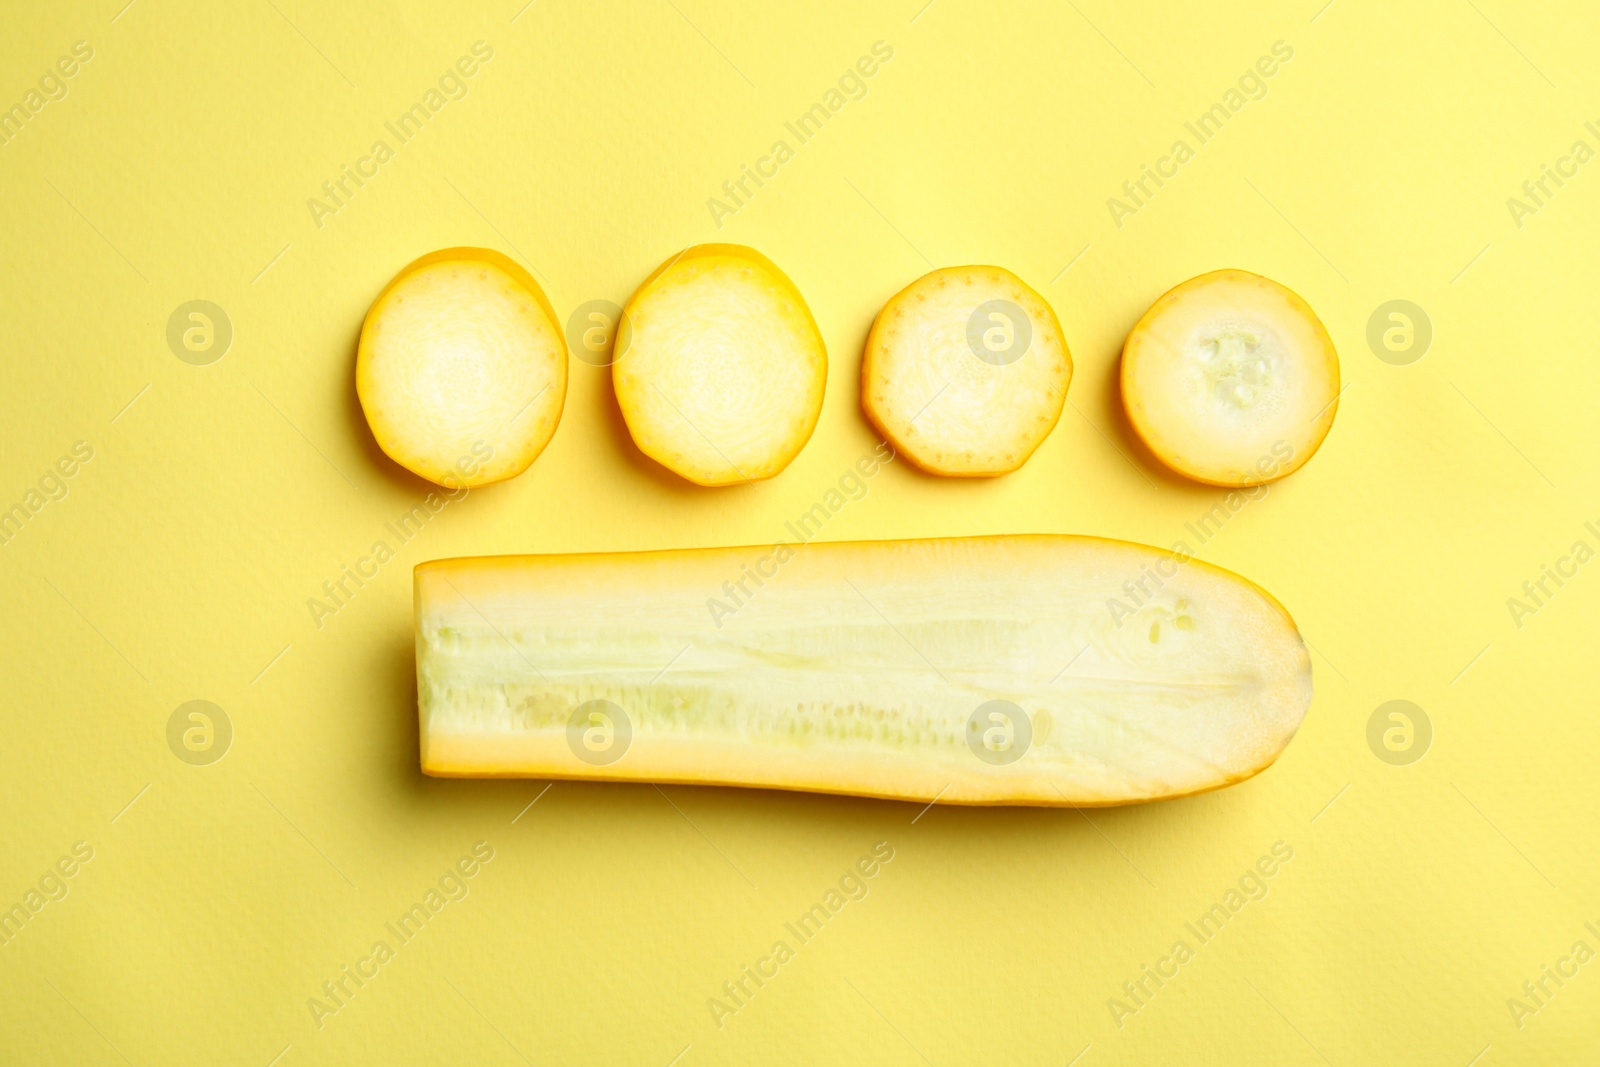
723	380
462	368
1231	379
966	371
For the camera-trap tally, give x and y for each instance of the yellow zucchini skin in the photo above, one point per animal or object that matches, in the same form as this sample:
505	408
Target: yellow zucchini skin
863	668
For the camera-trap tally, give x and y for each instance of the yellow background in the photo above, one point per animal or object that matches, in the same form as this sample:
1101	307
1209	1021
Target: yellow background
179	565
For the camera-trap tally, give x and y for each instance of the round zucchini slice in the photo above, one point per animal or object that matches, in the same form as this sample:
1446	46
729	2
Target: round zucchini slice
722	381
1230	379
965	371
462	368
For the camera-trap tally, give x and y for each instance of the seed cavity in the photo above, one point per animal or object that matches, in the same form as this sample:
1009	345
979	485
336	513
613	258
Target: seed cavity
1238	360
1043	723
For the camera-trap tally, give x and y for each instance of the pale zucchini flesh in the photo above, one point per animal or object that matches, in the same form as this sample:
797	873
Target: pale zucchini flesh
461	368
861	668
722	382
966	371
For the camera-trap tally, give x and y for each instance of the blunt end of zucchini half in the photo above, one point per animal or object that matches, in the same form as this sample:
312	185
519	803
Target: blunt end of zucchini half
722	381
1230	379
462	368
988	670
966	371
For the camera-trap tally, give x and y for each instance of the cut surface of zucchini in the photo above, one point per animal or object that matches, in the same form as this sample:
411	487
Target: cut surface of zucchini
462	368
992	670
966	371
1230	379
723	379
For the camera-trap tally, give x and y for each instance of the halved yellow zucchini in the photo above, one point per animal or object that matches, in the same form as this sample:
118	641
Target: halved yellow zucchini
462	368
989	670
722	382
1231	379
965	371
